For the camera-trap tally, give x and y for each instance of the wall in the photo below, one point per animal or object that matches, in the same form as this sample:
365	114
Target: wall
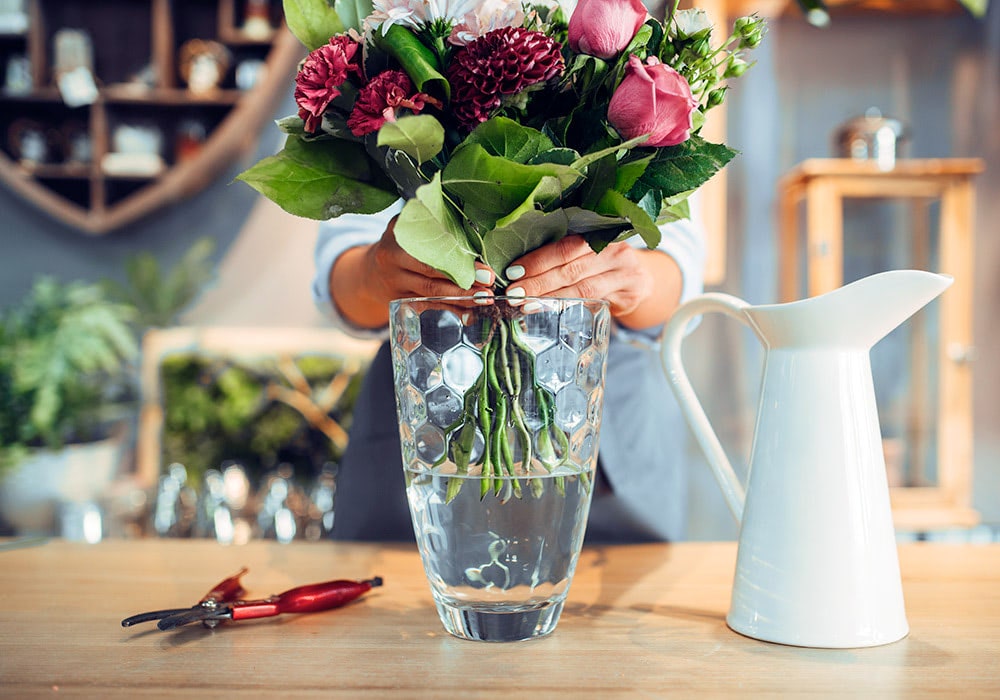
941	76
31	242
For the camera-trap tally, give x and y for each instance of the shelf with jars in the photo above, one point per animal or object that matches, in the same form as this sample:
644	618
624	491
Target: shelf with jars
113	108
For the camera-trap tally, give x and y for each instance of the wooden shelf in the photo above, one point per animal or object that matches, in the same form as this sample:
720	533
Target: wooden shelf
823	185
82	194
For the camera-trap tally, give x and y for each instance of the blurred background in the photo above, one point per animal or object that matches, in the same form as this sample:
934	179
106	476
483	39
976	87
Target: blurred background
118	204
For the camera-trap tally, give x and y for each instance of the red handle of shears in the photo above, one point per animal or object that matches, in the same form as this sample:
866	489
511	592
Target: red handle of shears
302	599
227	589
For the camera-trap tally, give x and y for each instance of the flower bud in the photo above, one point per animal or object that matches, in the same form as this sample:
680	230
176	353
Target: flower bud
750	29
603	28
716	97
735	67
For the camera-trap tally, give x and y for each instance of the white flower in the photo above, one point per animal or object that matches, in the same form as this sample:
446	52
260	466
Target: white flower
485	17
690	22
415	13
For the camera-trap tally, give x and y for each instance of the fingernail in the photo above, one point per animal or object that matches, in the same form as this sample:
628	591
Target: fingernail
515	292
482	297
531	307
484	276
515	272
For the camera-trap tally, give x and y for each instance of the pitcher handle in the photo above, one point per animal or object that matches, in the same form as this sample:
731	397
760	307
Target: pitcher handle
670	356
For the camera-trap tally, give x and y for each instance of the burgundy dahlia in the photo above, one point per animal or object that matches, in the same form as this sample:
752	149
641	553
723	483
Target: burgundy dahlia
502	62
381	100
323	72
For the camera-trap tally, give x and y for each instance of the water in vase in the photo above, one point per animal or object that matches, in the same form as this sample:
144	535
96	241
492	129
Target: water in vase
499	564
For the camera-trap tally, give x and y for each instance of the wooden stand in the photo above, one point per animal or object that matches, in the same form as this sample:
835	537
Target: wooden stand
823	184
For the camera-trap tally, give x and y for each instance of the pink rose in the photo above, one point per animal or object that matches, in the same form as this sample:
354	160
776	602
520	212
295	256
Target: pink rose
323	72
603	28
381	100
652	99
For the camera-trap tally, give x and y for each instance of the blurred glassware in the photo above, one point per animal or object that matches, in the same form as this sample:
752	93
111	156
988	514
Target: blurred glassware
321	499
18	80
174	512
282	505
13	17
871	137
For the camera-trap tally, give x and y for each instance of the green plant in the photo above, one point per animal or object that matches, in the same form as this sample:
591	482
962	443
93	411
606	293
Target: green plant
160	296
65	373
259	413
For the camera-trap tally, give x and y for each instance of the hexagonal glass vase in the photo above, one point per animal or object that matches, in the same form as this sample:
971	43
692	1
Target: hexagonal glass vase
499	408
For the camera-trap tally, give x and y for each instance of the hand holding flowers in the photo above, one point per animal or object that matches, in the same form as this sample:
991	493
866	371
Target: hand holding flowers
505	127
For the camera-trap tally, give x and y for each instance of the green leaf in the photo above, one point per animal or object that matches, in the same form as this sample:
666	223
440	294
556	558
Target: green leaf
353	12
420	136
616	204
585	221
416	59
403	170
675	209
600	178
629	173
508	139
531	229
976	7
639	41
587	73
496	185
595	156
429	230
562	156
312	22
292	124
652	203
686	166
547	191
322	180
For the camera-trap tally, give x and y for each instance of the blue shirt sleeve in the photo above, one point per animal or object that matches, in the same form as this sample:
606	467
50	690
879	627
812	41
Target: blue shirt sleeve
684	241
335	237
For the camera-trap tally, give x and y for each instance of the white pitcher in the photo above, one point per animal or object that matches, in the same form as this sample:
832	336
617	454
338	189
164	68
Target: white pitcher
817	563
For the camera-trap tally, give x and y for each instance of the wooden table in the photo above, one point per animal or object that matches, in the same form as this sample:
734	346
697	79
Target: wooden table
645	620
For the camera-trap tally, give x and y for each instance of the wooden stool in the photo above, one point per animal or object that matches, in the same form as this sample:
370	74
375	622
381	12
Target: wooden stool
823	184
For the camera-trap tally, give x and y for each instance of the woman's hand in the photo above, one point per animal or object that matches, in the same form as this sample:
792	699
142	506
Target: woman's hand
365	279
642	287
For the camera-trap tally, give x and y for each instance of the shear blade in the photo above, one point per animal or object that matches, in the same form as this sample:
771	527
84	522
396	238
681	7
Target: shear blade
193	615
152	615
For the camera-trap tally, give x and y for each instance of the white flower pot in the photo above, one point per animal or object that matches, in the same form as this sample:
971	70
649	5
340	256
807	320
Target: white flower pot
31	494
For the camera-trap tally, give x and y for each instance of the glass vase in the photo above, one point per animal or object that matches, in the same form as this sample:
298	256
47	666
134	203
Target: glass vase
499	407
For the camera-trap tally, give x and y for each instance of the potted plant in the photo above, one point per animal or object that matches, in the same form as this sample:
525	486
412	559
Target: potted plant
66	378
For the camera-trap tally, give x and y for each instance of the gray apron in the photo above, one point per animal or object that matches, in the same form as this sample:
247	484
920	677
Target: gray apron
640	491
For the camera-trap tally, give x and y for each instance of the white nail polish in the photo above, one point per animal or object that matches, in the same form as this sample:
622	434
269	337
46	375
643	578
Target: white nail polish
481	297
515	292
531	307
515	272
484	276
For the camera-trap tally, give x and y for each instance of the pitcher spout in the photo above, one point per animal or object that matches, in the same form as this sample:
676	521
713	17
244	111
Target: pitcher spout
856	315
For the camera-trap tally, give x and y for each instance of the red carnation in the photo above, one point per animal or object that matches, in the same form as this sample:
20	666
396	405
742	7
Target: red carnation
380	101
324	71
502	62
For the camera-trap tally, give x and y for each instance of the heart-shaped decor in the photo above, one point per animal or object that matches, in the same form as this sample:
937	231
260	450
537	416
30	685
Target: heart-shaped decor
112	109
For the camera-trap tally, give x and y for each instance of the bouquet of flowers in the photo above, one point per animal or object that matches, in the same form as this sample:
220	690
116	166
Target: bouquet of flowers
504	126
